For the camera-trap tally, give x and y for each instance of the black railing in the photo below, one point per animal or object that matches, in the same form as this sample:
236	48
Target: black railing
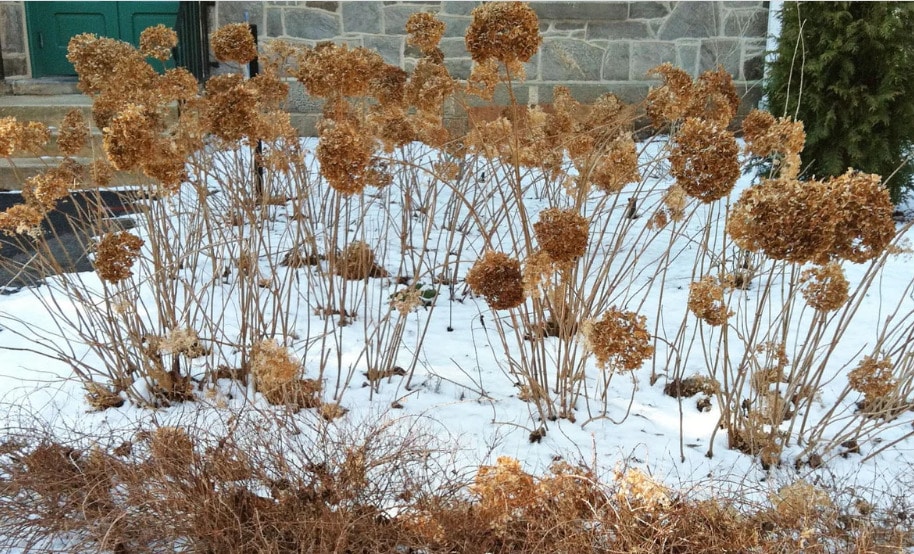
192	27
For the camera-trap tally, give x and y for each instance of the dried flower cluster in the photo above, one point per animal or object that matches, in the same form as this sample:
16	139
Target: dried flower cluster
183	341
712	97
497	277
357	262
506	31
45	189
619	340
21	219
800	501
825	287
73	133
115	255
424	31
874	378
637	490
503	490
273	366
780	139
157	42
562	234
704	159
847	217
16	136
332	70
233	43
706	301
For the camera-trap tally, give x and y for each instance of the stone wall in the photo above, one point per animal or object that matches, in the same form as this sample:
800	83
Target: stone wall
12	39
591	47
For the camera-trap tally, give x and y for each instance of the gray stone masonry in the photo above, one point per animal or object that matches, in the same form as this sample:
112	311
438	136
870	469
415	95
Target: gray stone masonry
12	39
590	47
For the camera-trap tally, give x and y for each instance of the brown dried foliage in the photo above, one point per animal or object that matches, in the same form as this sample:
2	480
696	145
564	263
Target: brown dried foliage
233	43
704	159
562	234
115	255
619	340
497	277
506	31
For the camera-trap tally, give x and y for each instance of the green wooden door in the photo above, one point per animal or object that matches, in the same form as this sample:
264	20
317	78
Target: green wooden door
51	25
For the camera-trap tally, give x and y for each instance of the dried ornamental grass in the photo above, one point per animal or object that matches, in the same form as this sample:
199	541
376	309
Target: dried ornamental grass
562	234
826	288
705	160
619	340
706	301
506	31
157	42
498	278
115	255
233	43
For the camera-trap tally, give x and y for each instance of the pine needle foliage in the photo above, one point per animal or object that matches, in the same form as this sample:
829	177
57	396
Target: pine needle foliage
846	70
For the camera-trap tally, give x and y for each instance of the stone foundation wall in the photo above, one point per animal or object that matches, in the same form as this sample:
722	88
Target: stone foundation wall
13	39
591	47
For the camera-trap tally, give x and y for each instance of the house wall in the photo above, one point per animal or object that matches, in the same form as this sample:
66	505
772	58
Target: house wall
591	47
13	43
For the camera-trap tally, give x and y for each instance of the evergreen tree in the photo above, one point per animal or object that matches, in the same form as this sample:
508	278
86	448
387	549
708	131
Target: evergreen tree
846	69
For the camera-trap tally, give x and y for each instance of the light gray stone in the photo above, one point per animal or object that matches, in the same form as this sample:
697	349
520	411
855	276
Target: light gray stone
720	51
395	17
274	22
746	23
302	102
362	17
455	25
743	4
616	30
311	23
15	65
234	12
687	57
648	55
617	61
388	47
570	60
599	11
459	68
567	25
648	10
11	30
327	6
453	48
458	8
691	19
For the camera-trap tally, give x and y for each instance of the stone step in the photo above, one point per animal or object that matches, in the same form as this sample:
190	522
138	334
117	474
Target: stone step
49	110
14	172
51	86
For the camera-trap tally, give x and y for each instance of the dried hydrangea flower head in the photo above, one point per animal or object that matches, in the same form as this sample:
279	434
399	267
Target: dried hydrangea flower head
16	136
273	366
781	139
616	166
715	98
864	226
231	108
357	261
562	234
619	340
704	159
115	255
345	152
73	133
506	31
234	43
671	100
331	70
706	301
21	219
429	86
826	288
45	189
157	42
497	277
131	136
424	31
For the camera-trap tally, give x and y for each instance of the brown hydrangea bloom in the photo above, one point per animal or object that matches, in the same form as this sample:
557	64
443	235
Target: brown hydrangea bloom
715	98
780	138
873	377
864	226
617	166
101	172
73	133
785	218
388	85
497	277
16	136
826	287
234	43
705	160
424	30
166	166
231	109
674	199
46	188
670	101
97	59
429	86
177	84
619	340
506	31
273	366
392	126
269	89
483	78
357	262
706	301
21	219
330	70
157	42
491	139
344	151
115	255
562	234
130	137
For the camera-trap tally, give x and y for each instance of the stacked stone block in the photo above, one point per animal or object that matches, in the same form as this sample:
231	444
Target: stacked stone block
12	39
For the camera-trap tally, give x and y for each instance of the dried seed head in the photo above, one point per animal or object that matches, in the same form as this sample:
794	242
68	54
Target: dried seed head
506	31
706	301
483	78
497	277
388	85
157	42
106	63
130	137
177	84
101	172
73	133
231	108
429	86
45	189
826	287
864	226
115	255
562	234
619	340
234	43
424	31
268	89
705	160
617	166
